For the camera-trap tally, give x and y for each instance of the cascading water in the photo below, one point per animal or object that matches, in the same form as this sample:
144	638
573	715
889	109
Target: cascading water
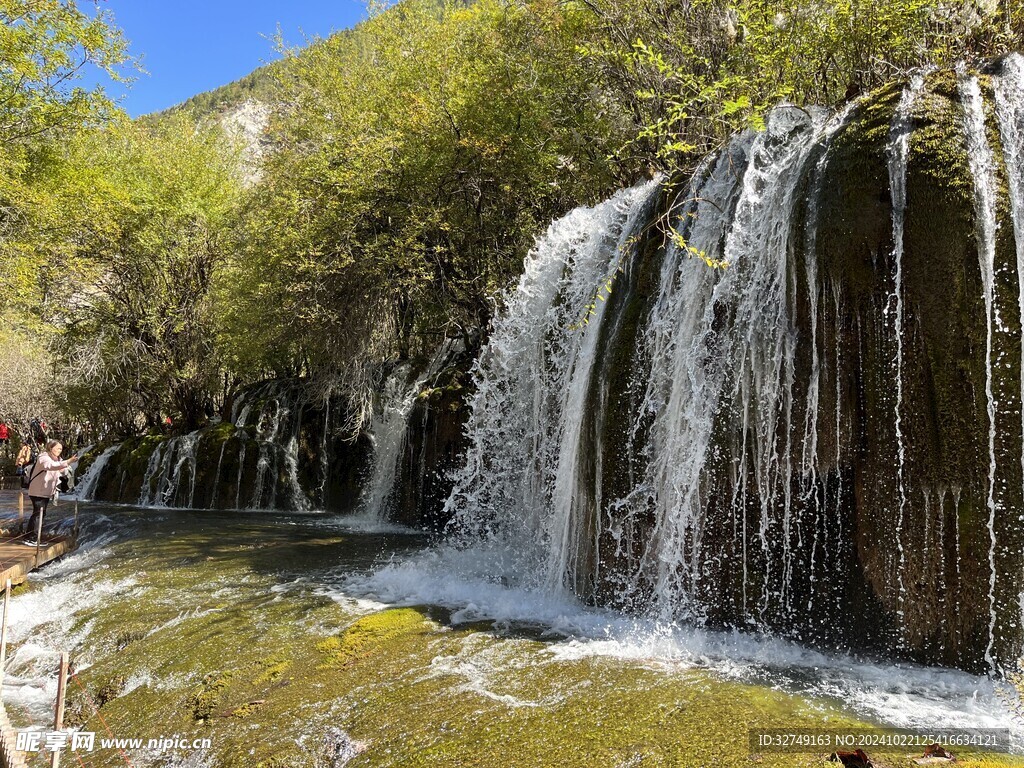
172	464
275	425
1009	99
731	475
86	485
284	448
533	379
521	456
899	151
389	431
982	162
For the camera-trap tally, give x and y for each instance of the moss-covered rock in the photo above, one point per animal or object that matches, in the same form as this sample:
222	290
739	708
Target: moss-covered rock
286	450
289	677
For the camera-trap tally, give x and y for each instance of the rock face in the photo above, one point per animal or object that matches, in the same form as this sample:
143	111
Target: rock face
824	438
953	580
283	450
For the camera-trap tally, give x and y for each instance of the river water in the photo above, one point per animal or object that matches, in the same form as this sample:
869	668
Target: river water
282	637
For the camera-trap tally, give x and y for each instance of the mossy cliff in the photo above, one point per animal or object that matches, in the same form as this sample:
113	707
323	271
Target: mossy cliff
433	447
883	525
283	449
922	538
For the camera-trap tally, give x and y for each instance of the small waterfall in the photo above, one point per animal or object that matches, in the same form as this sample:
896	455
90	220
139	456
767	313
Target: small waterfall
216	476
389	429
809	465
268	420
173	462
533	370
388	433
899	151
86	486
1009	99
940	544
238	480
275	411
982	164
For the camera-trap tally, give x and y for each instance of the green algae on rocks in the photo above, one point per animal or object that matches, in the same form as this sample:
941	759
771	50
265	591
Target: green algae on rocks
203	635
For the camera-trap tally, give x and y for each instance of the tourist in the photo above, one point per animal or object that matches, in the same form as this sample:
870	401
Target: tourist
5	438
42	484
24	456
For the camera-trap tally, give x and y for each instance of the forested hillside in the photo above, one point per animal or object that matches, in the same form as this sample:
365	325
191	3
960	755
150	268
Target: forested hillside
411	165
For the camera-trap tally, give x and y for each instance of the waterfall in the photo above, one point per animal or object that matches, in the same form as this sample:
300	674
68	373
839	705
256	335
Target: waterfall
86	486
173	462
531	371
746	367
534	376
389	428
271	414
1009	99
899	151
722	478
982	163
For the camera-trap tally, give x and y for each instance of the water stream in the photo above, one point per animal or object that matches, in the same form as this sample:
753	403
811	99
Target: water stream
141	626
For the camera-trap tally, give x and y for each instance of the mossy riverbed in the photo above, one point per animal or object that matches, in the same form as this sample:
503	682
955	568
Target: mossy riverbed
232	628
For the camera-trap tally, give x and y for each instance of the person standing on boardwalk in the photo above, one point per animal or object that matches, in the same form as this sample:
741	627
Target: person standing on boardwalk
42	484
5	438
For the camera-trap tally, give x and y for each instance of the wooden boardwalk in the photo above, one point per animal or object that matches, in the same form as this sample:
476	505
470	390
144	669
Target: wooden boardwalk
16	559
16	562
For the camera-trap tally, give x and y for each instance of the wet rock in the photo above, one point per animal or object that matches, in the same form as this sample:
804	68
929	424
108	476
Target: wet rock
338	749
857	759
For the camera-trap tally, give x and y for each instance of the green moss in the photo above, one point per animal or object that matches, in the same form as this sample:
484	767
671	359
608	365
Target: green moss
248	709
368	635
272	669
128	636
221	432
207	697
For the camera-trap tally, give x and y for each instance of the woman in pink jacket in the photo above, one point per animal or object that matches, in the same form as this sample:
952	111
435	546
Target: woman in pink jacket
42	484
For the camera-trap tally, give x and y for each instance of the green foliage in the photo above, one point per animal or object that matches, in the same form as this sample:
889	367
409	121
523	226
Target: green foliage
261	85
146	213
415	162
693	73
45	48
45	45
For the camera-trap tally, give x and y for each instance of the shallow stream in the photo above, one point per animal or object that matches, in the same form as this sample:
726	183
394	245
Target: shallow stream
297	639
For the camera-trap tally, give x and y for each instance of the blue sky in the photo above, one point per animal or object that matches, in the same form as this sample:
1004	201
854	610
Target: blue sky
190	46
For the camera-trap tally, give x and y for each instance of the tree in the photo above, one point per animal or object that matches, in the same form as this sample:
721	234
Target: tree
45	48
147	208
693	72
416	161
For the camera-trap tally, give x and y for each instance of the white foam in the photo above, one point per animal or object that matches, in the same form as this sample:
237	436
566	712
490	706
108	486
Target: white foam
478	663
901	695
